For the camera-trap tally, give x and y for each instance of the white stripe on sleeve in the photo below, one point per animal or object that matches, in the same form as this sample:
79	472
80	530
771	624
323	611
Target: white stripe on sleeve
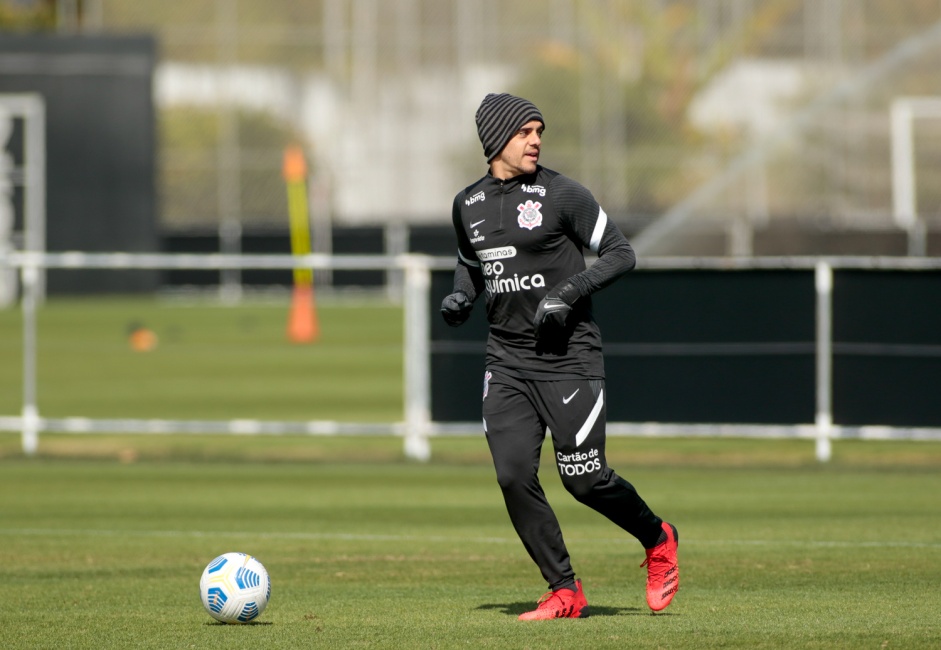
467	261
598	232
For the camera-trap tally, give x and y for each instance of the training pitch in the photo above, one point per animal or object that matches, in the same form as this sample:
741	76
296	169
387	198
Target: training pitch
105	536
775	551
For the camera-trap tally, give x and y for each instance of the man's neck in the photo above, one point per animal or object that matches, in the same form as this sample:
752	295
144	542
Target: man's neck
503	175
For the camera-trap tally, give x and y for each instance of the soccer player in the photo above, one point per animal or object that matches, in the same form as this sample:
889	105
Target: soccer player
521	232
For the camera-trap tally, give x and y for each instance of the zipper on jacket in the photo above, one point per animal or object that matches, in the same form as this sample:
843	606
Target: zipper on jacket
502	194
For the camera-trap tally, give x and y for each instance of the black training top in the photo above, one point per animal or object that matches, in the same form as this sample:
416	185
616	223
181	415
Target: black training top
519	238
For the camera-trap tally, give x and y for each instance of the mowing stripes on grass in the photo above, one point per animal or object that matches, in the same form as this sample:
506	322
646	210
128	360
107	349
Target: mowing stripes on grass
452	539
105	555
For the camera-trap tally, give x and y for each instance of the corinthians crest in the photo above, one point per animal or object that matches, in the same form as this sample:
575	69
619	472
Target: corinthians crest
530	216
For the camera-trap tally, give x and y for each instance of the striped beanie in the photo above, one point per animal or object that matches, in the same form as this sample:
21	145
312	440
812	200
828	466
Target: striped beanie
499	117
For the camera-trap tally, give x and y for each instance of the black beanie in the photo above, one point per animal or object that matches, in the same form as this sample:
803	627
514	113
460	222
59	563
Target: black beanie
499	117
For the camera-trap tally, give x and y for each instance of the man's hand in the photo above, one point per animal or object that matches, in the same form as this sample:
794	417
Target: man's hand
553	311
456	308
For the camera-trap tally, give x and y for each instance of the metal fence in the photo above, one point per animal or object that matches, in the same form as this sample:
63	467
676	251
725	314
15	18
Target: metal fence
417	426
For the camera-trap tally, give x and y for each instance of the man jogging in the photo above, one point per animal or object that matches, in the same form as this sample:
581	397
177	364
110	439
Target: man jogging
521	232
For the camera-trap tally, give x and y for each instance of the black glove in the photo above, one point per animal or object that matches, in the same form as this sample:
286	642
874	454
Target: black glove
456	308
553	310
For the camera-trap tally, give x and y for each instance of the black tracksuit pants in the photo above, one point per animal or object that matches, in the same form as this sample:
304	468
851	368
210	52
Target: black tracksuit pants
517	413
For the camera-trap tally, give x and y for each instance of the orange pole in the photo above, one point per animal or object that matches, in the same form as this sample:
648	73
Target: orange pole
303	325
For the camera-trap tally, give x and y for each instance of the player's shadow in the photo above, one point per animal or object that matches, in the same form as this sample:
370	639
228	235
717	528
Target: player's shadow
515	609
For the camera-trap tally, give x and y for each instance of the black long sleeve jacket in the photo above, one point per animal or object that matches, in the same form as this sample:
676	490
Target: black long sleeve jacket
519	238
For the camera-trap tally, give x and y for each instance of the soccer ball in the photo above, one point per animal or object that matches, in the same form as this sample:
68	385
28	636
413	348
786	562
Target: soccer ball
235	588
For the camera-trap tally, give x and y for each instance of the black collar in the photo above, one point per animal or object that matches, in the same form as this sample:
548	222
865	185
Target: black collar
512	183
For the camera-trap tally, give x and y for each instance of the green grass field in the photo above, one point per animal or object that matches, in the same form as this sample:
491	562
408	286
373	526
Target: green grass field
105	536
210	363
776	551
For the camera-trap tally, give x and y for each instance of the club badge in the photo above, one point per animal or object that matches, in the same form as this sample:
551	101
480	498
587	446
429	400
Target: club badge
530	216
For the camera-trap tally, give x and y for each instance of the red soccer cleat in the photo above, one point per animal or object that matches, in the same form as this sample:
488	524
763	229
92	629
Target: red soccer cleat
663	572
561	603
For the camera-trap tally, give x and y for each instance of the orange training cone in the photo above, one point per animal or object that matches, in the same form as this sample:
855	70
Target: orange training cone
142	340
303	326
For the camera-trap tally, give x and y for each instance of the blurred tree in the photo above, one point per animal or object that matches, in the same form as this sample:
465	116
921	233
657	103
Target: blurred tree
620	97
189	170
27	15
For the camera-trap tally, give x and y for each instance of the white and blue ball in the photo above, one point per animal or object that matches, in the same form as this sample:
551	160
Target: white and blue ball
235	588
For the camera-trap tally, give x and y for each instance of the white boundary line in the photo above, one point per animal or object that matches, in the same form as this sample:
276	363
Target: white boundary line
79	425
362	537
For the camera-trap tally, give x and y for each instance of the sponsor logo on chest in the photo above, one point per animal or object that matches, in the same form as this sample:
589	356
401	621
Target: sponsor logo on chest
471	200
533	189
497	278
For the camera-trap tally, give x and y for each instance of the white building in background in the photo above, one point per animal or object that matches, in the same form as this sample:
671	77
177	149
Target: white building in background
401	156
751	95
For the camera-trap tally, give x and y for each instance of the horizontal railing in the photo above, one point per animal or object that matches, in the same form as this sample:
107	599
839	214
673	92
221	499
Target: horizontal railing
417	426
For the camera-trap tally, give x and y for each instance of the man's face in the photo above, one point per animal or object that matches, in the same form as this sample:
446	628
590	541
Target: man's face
521	153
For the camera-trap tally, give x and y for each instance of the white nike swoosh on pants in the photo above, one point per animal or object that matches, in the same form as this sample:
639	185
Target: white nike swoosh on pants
590	422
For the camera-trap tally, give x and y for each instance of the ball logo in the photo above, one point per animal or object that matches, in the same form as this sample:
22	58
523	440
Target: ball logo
530	216
235	588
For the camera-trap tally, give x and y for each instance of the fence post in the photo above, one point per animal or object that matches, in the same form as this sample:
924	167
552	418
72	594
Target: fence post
34	185
31	279
417	357
823	277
